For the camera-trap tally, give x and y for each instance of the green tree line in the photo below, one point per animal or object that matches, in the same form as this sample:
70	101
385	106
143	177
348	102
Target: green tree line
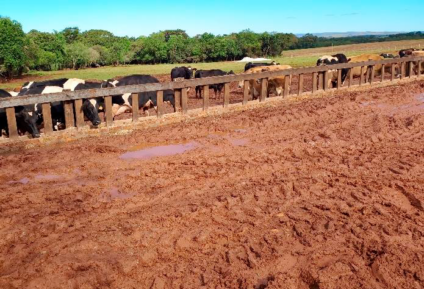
74	49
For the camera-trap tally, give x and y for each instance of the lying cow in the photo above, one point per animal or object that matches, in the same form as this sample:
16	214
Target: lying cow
182	72
387	55
333	74
26	118
211	73
91	107
256	64
123	103
275	84
65	83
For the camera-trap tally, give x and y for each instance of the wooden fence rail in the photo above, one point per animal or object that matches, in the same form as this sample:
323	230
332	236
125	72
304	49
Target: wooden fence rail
72	100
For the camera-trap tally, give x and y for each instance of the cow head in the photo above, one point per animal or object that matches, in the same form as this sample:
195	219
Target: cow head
90	109
27	121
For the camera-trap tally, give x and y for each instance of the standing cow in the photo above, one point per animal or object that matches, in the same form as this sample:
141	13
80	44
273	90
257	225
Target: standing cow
182	72
333	74
211	73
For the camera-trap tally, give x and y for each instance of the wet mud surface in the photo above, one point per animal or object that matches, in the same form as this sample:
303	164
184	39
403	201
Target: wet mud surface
320	193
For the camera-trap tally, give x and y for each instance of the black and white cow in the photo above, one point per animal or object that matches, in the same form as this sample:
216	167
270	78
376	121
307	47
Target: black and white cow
57	110
182	72
92	106
250	65
123	103
26	118
387	55
65	83
211	73
331	60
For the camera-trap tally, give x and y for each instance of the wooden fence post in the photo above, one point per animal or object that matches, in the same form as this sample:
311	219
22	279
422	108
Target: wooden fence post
320	81
300	87
47	118
326	76
372	74
184	100
287	81
350	77
135	106
246	88
226	94
177	95
11	123
159	96
314	82
79	114
420	64
108	110
339	79
264	89
402	70
361	79
205	97
393	70
383	71
411	67
69	114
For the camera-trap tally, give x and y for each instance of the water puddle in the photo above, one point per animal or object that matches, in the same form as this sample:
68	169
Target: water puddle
47	177
22	181
238	142
420	97
114	194
159	151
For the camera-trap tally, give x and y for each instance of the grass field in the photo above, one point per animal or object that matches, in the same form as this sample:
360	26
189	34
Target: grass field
295	58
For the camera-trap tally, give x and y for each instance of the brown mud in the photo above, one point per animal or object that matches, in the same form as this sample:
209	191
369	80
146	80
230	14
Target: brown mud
320	193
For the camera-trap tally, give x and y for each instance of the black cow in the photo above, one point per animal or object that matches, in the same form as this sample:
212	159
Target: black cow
211	73
250	65
26	118
387	55
131	80
182	72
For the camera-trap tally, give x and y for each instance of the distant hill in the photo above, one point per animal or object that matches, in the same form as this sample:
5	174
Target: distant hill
350	34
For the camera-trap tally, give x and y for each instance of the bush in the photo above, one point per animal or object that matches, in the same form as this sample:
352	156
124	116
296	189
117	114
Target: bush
12	43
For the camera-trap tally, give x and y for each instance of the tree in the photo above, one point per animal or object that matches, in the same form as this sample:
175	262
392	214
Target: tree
50	42
249	43
307	41
12	43
78	55
97	37
71	34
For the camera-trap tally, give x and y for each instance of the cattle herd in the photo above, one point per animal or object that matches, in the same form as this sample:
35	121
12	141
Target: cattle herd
29	119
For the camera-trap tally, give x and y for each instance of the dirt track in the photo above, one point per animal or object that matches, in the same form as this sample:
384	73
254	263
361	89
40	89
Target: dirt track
321	193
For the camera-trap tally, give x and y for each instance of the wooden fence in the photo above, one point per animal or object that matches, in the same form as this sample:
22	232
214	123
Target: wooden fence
72	101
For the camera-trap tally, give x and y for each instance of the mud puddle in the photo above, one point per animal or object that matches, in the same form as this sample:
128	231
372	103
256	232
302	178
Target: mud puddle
159	151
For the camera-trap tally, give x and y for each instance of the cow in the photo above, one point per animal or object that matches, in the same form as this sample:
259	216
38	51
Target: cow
356	71
57	110
211	73
275	84
91	107
418	54
331	60
387	55
250	65
65	83
26	118
123	103
406	52
182	72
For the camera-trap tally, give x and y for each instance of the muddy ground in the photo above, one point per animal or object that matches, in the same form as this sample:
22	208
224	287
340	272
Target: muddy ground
320	193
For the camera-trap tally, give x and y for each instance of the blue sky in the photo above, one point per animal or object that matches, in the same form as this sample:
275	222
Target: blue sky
135	18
